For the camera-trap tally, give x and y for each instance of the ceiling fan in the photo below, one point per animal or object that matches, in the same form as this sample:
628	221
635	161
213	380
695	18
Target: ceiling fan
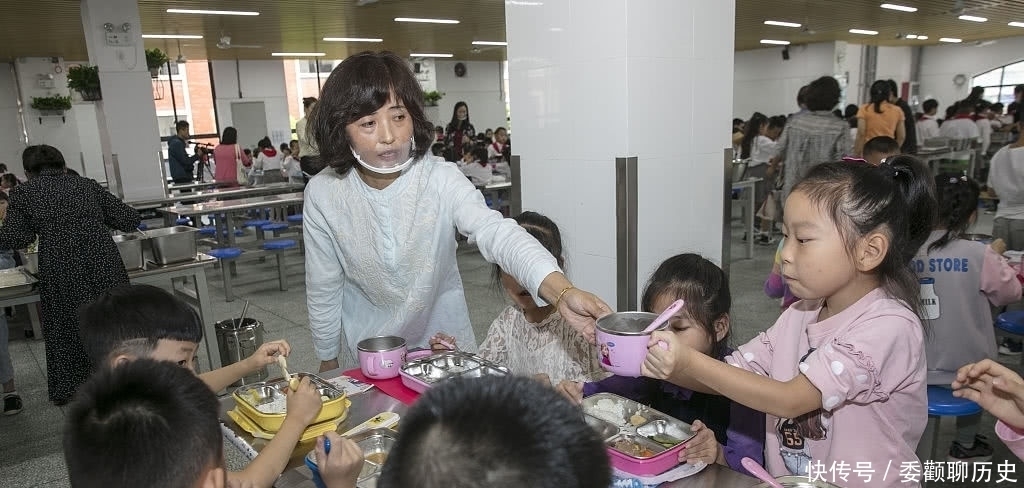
225	43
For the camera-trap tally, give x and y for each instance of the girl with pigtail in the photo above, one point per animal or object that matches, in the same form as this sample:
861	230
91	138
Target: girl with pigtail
960	279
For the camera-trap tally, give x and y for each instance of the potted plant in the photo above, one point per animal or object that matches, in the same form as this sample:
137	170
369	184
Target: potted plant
86	81
431	98
55	105
155	59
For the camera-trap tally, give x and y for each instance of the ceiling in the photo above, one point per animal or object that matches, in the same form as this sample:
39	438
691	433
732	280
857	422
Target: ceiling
53	27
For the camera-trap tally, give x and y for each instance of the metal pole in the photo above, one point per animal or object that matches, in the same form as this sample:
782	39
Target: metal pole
727	211
170	82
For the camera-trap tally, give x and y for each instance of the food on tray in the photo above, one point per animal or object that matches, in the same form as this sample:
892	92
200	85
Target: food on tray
632	448
279	405
665	440
609	410
377	458
637	420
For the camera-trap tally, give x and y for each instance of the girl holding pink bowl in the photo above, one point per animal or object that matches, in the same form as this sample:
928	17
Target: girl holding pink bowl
726	431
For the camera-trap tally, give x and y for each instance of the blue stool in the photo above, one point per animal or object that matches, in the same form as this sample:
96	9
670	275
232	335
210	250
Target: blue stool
227	257
143	226
183	221
278	247
1010	324
256	223
294	219
275	227
941	403
208	231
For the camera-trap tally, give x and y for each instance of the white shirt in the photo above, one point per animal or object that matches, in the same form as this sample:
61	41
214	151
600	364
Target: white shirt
306	147
762	150
551	347
382	262
477	173
927	128
494	151
1006	177
268	163
985	130
292	169
960	129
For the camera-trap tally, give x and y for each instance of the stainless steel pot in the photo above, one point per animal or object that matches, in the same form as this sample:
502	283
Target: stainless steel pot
739	170
238	341
130	247
30	261
172	244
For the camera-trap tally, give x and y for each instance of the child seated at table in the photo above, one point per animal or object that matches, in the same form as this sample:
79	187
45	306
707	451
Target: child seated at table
704	325
960	281
132	322
532	339
151	423
879	148
477	169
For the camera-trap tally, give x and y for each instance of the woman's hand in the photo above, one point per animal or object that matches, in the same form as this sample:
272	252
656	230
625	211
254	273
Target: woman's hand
998	245
267	354
703	447
442	342
304	403
581	309
573	390
340	468
994	387
666	354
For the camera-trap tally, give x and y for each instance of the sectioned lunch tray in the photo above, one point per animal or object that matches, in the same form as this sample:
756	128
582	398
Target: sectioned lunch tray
15	282
311	432
419	374
640	439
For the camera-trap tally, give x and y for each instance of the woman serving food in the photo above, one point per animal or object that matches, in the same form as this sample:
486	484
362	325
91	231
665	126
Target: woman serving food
380	249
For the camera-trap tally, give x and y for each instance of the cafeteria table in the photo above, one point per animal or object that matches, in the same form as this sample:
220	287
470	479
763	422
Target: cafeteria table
198	185
368	404
218	194
747	186
154	274
230	208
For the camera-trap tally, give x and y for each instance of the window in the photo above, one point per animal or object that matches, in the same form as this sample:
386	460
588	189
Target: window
308	66
999	82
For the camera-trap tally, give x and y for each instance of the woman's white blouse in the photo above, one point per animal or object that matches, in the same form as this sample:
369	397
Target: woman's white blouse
382	262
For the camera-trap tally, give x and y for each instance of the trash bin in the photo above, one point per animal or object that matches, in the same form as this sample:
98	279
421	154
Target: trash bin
239	341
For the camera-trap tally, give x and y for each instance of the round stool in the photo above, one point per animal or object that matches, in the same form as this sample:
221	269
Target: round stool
294	219
275	227
278	247
280	244
942	403
1011	322
256	223
226	255
208	231
183	221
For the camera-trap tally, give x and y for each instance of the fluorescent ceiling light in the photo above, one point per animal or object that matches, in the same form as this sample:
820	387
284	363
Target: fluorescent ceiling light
922	38
353	39
774	42
901	8
911	36
171	36
428	21
950	39
1016	24
299	55
972	18
209	12
490	43
431	55
864	31
781	23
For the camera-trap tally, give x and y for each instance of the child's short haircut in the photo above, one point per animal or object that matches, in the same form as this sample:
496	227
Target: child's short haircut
131	319
498	432
145	423
881	145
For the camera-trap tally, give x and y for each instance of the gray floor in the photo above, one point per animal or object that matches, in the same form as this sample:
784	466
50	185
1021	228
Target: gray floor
30	442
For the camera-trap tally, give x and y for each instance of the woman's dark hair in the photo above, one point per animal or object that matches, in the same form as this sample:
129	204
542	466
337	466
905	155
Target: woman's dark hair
307	101
230	136
957	198
778	121
36	159
894	89
896	198
264	143
752	130
851	115
822	94
976	93
545	231
880	92
702	285
358	87
454	125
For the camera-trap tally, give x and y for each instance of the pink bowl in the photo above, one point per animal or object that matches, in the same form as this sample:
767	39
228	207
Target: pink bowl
622	341
381	357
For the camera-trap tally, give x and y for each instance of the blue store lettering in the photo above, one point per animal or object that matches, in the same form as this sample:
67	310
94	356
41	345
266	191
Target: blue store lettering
947	265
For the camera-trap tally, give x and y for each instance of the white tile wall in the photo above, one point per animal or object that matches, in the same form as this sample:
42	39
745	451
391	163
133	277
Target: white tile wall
662	28
598	30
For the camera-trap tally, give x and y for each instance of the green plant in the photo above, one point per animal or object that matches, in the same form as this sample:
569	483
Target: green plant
431	98
85	80
155	58
56	103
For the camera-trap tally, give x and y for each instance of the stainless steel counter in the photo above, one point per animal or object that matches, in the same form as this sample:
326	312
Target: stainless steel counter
372	402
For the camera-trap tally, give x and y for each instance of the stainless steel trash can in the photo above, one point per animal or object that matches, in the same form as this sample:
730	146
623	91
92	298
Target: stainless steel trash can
238	341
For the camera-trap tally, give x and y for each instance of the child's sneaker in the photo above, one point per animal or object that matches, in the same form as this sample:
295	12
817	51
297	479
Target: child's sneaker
979	452
1010	347
12	403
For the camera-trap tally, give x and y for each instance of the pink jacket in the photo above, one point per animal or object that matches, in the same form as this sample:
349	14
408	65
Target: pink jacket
224	156
1013	438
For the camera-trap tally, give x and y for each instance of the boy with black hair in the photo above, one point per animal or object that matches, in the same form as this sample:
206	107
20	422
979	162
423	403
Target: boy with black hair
150	423
877	149
928	124
131	322
541	441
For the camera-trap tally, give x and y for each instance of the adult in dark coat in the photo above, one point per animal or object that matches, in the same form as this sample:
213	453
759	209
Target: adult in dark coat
78	260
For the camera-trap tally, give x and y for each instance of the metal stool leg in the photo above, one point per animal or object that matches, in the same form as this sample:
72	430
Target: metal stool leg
282	275
226	270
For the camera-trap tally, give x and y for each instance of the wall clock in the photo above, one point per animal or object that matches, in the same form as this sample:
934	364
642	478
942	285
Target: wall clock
460	70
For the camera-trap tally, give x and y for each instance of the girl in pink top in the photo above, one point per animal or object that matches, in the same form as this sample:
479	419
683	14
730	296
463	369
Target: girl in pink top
226	156
1000	391
841	374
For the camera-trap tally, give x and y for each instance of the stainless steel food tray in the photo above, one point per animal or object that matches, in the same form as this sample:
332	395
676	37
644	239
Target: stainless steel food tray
419	374
634	421
15	281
